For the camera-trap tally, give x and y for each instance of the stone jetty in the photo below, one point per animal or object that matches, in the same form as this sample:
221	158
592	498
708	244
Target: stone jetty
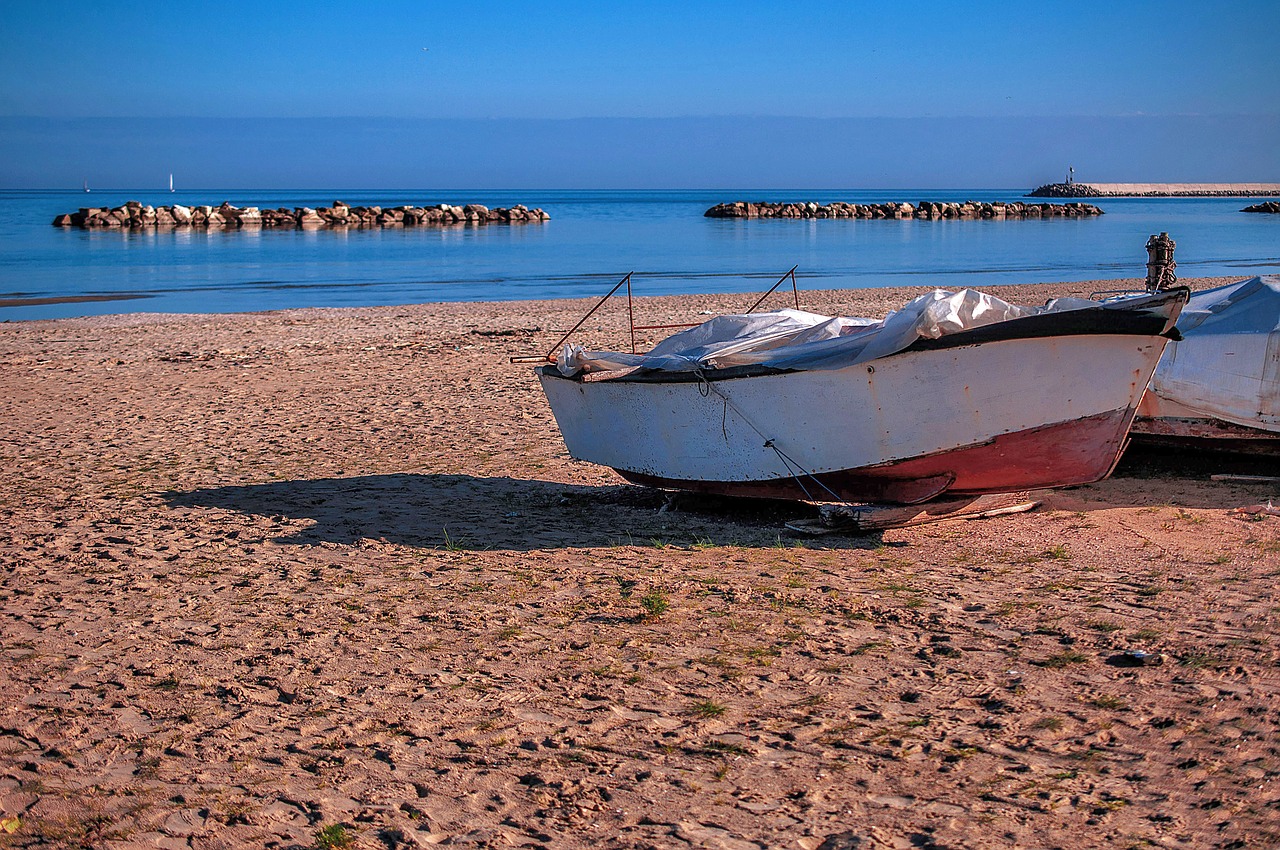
1153	190
925	210
135	215
1264	207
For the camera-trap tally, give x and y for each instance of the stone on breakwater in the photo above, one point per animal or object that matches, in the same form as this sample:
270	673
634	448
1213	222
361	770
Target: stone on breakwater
135	215
925	210
1264	207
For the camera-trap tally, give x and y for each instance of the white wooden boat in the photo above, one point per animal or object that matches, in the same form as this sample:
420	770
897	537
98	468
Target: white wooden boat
1219	386
958	393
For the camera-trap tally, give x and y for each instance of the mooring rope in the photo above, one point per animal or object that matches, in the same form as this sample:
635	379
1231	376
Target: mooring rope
706	386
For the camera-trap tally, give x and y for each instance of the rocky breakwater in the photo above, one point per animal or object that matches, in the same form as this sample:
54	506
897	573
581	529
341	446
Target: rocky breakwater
1264	207
925	210
1153	190
135	215
1064	190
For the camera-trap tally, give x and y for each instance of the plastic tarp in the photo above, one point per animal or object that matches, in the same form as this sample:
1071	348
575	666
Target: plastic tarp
793	339
1227	365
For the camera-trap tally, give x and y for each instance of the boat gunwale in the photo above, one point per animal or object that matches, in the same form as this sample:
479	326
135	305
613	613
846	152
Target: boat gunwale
1101	320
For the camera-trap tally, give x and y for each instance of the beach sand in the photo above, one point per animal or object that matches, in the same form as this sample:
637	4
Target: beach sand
271	574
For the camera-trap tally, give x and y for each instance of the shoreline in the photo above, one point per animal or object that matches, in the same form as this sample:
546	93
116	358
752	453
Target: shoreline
881	297
67	299
263	574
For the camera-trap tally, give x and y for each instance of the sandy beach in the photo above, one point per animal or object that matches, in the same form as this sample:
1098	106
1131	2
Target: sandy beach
328	578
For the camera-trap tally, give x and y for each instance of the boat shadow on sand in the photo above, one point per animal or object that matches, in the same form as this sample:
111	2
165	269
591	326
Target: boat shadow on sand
468	512
475	513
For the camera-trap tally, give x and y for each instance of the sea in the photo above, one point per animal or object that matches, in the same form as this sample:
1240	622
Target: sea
592	240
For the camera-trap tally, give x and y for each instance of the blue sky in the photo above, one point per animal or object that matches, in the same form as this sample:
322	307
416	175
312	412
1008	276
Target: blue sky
488	69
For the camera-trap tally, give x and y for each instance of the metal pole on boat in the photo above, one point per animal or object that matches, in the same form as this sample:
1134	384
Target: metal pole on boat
791	274
551	355
1160	264
631	316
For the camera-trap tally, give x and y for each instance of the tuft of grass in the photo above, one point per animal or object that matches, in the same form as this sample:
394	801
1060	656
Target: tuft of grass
654	603
707	709
1063	659
953	754
1051	723
1107	806
1199	661
335	836
625	586
1058	553
450	544
720	747
762	655
1109	702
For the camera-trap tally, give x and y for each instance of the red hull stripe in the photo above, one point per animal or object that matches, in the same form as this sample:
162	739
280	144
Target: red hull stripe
1077	452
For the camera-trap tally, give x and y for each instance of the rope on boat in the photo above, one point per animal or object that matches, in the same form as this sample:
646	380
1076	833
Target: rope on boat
787	462
706	386
790	461
704	390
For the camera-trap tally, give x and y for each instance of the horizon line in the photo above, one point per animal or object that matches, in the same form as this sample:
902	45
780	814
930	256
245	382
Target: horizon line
681	117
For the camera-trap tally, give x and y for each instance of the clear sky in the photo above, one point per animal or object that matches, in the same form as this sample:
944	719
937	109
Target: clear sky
511	62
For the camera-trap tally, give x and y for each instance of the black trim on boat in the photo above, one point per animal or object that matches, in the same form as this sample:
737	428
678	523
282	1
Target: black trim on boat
1090	321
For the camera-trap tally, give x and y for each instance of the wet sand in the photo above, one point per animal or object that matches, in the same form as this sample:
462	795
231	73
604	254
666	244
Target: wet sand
271	574
24	301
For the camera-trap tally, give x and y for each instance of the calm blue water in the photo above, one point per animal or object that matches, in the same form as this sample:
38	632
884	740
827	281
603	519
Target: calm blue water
593	239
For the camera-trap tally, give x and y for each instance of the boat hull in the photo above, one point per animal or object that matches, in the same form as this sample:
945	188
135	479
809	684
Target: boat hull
1163	422
1012	414
1218	388
1077	452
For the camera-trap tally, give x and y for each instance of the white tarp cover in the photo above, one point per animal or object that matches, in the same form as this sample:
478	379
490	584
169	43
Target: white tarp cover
793	339
1227	365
